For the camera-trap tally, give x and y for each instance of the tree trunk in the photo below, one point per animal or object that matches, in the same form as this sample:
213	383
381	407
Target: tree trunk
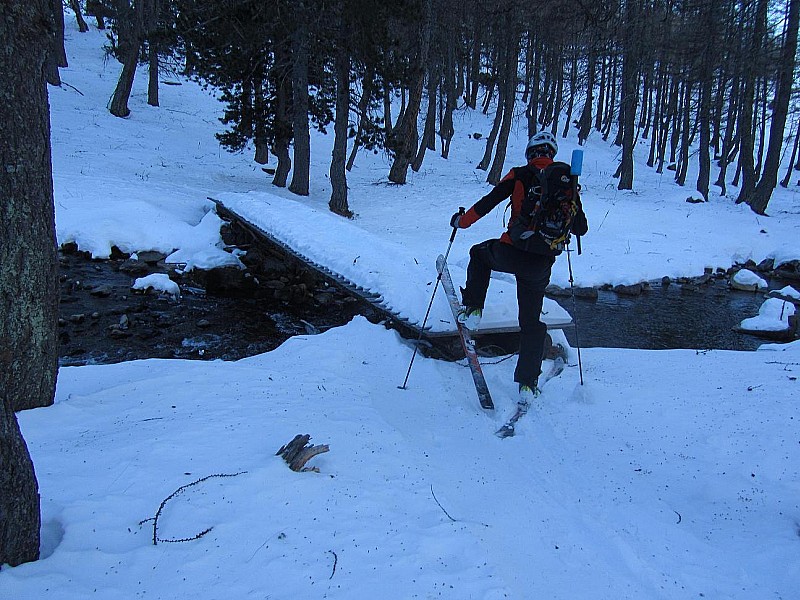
727	140
338	202
573	86
367	85
676	104
601	98
122	93
130	20
647	101
283	129
28	267
533	103
704	119
428	141
487	153
98	11
716	120
683	161
151	10
555	108
611	98
405	144
656	119
75	5
259	119
475	60
547	92
789	169
387	109
491	84
629	95
302	135
446	128
671	107
769	177
510	96
708	13
528	67
585	120
746	118
152	82
57	57
281	151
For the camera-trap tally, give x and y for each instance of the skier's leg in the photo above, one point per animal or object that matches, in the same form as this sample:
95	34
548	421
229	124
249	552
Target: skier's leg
479	272
531	283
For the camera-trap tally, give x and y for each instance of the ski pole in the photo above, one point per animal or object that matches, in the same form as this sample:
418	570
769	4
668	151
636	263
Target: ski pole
575	170
428	312
574	313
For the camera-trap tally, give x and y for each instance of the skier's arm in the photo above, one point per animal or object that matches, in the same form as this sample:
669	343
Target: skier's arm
483	206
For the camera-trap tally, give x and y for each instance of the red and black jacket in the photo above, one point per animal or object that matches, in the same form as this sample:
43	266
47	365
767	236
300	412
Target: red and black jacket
515	184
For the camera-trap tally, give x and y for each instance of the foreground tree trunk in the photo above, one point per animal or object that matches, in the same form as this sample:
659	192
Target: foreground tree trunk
28	266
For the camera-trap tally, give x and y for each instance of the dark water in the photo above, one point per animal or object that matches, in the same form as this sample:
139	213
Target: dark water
663	317
204	326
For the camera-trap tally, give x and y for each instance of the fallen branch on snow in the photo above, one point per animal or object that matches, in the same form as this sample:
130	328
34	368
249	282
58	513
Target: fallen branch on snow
156	539
296	453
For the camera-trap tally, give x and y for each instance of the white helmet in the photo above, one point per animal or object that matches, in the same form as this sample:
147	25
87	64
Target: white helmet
543	138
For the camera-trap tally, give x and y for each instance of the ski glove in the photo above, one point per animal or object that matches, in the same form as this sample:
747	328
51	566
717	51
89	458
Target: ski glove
455	220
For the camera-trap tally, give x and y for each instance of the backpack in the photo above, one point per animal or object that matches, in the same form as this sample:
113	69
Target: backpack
549	210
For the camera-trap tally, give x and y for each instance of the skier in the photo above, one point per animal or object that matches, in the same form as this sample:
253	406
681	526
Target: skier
530	268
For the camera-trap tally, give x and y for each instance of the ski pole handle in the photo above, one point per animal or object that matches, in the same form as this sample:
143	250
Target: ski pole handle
576	164
575	169
455	229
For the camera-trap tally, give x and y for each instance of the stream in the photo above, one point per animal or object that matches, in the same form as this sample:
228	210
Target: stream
103	321
664	317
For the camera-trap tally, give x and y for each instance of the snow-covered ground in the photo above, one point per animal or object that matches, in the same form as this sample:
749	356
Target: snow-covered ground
669	474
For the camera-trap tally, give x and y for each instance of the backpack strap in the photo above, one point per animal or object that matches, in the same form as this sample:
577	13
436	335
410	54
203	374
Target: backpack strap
518	171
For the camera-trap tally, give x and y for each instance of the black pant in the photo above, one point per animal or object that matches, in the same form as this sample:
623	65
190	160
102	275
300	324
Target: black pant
532	272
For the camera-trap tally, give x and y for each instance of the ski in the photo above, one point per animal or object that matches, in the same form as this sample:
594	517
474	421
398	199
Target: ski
484	397
559	362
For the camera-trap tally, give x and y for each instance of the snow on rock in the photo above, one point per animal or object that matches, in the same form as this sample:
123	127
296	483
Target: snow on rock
748	281
202	248
159	282
772	316
787	293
